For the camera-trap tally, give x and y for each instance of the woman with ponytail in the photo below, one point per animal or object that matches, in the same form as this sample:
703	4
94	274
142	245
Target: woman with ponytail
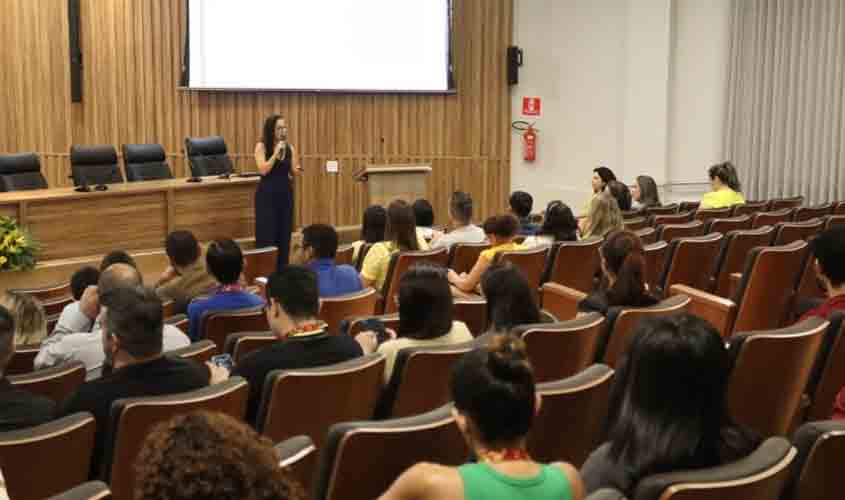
623	264
495	403
725	185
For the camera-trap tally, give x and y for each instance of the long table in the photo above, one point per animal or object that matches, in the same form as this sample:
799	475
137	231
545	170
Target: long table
132	216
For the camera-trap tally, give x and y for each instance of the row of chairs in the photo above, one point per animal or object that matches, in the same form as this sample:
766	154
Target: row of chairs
99	164
726	217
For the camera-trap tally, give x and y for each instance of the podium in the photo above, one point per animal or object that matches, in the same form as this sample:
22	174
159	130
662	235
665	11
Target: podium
386	183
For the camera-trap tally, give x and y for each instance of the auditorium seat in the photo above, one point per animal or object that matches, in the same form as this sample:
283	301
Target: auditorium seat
420	380
622	321
750	208
259	263
344	255
216	325
333	310
834	221
473	312
669	232
787	232
764	295
690	261
349	469
574	264
20	172
781	203
309	401
816	212
54	307
362	253
664	210
689	206
728	224
462	256
772	218
606	494
673	218
23	361
208	156
839	208
241	344
817	473
648	235
298	455
145	162
735	248
636	223
706	214
356	325
401	262
46	293
47	459
759	476
94	165
771	371
132	419
560	350
56	383
579	403
199	352
531	262
655	259
92	490
634	213
560	301
828	374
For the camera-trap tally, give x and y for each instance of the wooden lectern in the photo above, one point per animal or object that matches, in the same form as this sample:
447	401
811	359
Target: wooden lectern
386	183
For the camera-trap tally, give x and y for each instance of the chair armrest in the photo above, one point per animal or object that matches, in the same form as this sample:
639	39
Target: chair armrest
720	312
735	279
294	449
561	301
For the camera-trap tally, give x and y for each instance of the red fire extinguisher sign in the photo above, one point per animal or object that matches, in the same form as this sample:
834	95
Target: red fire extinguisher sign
531	106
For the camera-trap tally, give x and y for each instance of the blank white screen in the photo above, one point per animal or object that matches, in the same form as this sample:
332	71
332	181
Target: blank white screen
381	45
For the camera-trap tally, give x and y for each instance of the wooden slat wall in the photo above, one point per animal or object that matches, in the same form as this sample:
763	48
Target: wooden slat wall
132	53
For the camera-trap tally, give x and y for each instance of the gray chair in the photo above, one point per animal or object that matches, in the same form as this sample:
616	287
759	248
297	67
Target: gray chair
817	474
299	455
96	490
362	459
94	165
208	156
759	476
145	162
19	172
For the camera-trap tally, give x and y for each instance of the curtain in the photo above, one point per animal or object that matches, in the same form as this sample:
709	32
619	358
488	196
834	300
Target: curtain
786	98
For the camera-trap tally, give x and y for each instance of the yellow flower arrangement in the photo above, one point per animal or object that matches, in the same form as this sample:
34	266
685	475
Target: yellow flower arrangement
17	248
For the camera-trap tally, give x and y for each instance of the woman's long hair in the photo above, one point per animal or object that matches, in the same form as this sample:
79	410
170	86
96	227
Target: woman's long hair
726	172
624	256
559	222
269	135
604	215
668	407
425	303
401	226
373	224
649	196
510	299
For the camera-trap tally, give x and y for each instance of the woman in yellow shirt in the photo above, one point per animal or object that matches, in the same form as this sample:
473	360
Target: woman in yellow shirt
725	187
400	235
501	231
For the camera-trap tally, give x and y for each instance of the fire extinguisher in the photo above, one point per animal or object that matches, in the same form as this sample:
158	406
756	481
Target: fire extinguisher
529	139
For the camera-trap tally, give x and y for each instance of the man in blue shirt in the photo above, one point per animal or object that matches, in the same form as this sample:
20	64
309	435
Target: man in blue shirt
319	248
225	262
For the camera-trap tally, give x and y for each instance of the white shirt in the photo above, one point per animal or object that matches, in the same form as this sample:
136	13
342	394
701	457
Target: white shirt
464	234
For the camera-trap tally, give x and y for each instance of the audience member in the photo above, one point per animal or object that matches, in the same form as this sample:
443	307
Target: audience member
559	224
510	299
117	257
603	217
400	236
495	403
644	193
186	278
460	220
424	217
521	204
623	264
319	248
829	252
725	187
132	341
225	262
30	320
204	455
601	177
501	231
620	191
372	228
667	407
82	279
18	409
425	316
79	338
293	305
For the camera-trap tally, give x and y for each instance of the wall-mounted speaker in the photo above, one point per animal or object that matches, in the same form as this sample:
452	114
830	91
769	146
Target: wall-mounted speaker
75	51
514	62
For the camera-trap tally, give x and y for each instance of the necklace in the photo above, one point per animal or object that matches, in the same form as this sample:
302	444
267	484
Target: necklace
505	455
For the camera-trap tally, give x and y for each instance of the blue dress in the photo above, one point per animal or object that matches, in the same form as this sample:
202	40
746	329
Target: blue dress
274	208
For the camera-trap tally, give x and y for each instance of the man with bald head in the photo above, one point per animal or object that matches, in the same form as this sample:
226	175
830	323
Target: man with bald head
78	336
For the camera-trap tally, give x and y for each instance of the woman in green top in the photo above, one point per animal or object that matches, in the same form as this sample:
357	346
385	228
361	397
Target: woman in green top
495	402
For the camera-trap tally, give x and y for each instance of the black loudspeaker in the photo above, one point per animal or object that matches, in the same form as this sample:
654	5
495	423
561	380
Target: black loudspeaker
514	62
75	51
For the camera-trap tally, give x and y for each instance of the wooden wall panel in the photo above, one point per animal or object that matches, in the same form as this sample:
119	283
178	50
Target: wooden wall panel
132	55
